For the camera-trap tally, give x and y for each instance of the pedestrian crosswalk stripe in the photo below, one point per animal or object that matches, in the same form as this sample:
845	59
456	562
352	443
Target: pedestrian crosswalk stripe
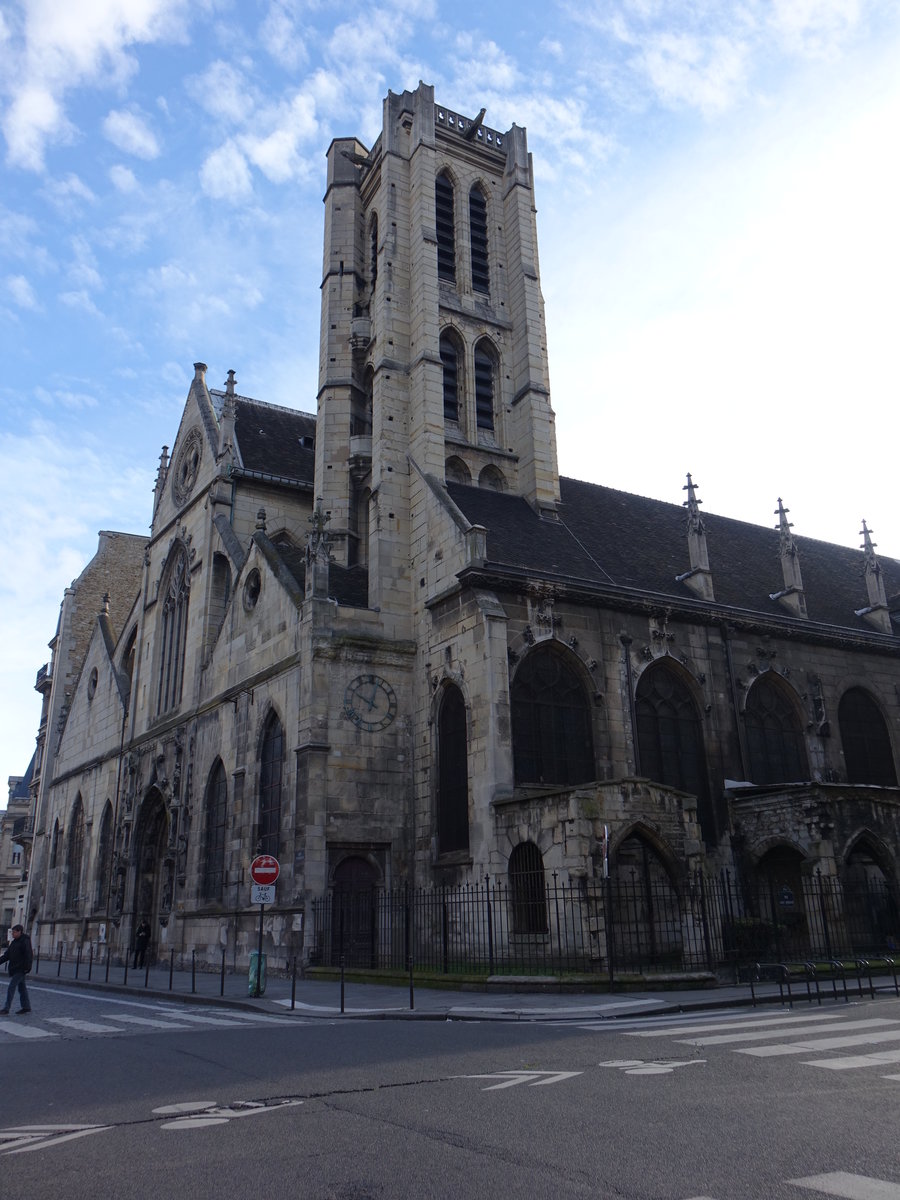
148	1021
847	1062
725	1024
25	1031
83	1026
761	1035
849	1187
838	1043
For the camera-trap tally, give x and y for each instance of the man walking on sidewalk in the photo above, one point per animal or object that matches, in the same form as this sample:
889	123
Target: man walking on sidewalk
18	955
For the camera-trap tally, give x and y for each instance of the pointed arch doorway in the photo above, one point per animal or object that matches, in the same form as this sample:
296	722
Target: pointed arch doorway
153	871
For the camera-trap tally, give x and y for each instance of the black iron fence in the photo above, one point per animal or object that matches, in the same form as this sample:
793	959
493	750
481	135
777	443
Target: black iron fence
631	923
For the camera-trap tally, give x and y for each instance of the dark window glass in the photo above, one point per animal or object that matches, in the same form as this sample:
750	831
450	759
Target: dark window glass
450	368
774	737
214	847
54	846
479	241
174	632
104	856
669	735
484	388
526	888
551	722
74	856
271	761
453	775
865	739
446	236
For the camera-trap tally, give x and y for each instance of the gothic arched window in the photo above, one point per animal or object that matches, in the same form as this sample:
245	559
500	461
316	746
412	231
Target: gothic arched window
551	721
775	743
528	901
450	374
74	855
174	597
453	773
215	822
485	384
54	845
866	742
670	740
446	229
478	241
271	761
104	856
373	251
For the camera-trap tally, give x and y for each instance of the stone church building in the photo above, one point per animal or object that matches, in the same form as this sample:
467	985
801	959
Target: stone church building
389	645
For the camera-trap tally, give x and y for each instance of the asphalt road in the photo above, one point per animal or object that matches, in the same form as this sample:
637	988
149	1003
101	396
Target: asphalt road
114	1097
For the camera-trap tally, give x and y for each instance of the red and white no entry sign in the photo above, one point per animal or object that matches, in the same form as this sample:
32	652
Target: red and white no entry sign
264	869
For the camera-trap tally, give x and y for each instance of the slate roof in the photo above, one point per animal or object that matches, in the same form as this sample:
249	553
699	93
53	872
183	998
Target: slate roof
348	585
271	440
610	538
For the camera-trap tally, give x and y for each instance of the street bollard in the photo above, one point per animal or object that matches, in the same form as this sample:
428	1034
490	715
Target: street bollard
193	972
294	984
342	983
147	972
59	964
222	983
171	967
412	1001
91	962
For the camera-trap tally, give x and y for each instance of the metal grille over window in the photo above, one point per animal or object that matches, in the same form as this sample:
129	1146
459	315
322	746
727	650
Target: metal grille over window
479	241
450	366
484	388
446	237
526	886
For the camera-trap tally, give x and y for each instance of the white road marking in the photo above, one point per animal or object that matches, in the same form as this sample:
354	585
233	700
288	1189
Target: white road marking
25	1031
849	1187
849	1061
512	1078
838	1043
83	1026
723	1039
22	1139
194	1019
663	1066
214	1115
759	1023
133	1020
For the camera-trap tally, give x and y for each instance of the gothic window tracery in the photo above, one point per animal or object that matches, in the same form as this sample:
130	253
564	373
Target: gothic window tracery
216	815
775	742
551	721
670	739
74	856
174	631
453	774
865	740
271	761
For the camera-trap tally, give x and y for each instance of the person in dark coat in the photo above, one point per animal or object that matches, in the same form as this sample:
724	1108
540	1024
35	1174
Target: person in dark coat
18	955
141	942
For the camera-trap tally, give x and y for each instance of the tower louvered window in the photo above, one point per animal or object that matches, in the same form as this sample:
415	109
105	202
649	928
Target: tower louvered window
450	370
373	251
446	236
478	236
484	387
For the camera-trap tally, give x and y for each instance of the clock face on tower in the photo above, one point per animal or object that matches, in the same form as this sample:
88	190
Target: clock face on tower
370	702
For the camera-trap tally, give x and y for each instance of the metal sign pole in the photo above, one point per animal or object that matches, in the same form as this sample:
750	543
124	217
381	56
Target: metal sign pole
258	993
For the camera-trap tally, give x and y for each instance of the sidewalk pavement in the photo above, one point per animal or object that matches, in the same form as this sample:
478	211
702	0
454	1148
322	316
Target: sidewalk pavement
324	1000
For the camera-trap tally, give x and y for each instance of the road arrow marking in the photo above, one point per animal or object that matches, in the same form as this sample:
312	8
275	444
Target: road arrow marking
512	1078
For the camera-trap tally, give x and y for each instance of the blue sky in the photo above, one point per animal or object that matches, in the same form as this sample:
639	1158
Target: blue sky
717	187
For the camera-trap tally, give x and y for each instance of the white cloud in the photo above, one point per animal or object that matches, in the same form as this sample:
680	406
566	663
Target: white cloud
278	35
128	131
82	271
223	91
79	299
123	179
63	46
814	28
277	154
703	73
225	174
21	292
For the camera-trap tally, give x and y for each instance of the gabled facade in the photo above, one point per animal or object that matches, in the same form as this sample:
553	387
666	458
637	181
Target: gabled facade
392	647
